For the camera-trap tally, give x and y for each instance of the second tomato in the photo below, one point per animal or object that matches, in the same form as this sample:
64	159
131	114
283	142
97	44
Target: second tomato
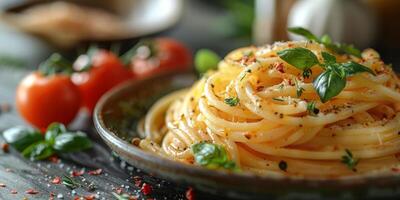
104	72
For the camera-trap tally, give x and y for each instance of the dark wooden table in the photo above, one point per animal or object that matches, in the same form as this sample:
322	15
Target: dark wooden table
18	175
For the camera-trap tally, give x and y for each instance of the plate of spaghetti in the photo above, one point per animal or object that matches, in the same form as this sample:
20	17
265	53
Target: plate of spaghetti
310	119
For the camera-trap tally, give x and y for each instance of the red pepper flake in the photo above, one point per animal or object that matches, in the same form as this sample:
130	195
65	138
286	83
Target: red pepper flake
146	189
118	190
95	172
5	148
31	191
279	67
77	198
56	180
52	195
190	194
395	169
137	180
54	159
75	173
90	197
13	191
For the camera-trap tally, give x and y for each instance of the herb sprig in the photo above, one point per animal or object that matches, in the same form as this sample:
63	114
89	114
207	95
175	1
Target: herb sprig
349	160
327	42
333	80
57	139
212	156
232	101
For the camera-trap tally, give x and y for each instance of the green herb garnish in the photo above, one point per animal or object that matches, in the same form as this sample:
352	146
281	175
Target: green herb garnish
212	156
311	109
327	42
69	182
277	99
349	160
232	101
205	60
299	89
57	139
333	80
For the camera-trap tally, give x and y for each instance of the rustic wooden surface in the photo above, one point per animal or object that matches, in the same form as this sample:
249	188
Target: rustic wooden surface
19	174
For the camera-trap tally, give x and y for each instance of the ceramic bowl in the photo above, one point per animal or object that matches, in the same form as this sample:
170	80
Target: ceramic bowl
118	112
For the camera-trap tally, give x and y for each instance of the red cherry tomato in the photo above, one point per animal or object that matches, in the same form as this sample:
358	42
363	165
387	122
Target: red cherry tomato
164	54
105	72
42	100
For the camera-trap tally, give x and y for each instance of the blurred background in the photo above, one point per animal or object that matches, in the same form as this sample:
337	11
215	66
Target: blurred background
30	30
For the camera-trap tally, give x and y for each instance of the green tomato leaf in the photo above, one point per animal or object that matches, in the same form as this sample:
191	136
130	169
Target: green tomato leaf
304	32
38	151
328	58
205	60
212	156
56	64
21	137
300	58
53	130
329	84
352	68
72	142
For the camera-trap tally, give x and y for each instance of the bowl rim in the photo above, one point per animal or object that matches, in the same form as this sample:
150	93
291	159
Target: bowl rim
192	170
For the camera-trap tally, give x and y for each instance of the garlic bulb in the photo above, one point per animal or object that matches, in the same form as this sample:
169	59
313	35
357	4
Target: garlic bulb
345	21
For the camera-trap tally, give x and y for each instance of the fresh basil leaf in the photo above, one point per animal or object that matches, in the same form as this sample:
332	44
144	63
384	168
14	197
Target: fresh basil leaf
328	58
21	137
72	142
212	156
38	151
304	32
352	68
329	84
53	130
300	58
350	49
205	60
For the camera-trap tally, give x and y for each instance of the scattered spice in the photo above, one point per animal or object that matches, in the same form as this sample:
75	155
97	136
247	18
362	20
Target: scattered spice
31	191
146	189
95	172
54	159
75	173
13	191
118	190
138	181
190	194
5	147
395	169
283	165
56	180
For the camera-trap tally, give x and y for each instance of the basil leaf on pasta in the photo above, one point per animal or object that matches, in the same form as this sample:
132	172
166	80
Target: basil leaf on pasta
329	84
300	58
212	156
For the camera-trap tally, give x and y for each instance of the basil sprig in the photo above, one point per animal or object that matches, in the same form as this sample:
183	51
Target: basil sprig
330	82
212	156
327	42
57	139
